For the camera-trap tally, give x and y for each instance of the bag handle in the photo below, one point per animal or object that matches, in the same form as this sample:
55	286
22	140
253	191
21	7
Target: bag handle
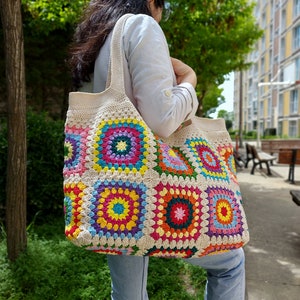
115	76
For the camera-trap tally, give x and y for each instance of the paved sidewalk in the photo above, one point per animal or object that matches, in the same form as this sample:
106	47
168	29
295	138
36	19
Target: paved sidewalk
273	253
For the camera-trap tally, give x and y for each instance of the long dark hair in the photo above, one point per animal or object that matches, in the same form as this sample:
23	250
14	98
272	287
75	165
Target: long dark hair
98	20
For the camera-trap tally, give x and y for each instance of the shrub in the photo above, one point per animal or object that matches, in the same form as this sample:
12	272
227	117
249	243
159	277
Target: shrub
44	163
53	268
251	135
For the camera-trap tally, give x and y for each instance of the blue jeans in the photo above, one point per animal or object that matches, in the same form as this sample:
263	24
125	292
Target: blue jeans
225	276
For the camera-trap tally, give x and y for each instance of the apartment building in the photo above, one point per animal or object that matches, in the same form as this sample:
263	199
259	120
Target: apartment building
266	96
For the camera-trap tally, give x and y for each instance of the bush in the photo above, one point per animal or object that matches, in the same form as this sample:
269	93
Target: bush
45	139
53	268
251	135
233	133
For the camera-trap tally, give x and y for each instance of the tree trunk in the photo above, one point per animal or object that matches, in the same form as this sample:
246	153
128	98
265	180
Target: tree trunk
16	108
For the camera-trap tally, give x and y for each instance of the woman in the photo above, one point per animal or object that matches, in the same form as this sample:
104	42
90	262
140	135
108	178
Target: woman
162	90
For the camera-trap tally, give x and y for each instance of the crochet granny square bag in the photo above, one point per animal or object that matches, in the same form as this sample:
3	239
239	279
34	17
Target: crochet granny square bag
127	192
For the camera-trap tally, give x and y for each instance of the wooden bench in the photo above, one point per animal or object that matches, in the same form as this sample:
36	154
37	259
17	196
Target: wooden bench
273	146
291	157
258	158
295	196
249	154
238	159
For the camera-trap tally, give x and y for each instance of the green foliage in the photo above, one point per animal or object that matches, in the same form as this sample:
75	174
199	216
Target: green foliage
47	77
53	268
44	163
171	279
213	37
214	98
46	16
224	114
270	137
228	124
48	29
233	133
251	135
227	116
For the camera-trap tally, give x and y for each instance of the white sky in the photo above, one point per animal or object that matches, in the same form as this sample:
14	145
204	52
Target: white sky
228	92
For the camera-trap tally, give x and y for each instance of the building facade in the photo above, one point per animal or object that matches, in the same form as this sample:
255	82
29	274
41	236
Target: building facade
266	96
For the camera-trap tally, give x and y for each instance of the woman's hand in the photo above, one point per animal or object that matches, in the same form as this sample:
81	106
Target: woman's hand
183	72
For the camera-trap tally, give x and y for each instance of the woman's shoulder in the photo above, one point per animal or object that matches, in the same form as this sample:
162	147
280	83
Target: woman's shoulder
140	18
141	22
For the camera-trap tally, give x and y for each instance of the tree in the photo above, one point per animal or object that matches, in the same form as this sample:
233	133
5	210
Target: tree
227	116
213	37
48	30
47	16
16	107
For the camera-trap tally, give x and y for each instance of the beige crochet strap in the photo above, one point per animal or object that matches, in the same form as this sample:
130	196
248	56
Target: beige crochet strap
115	77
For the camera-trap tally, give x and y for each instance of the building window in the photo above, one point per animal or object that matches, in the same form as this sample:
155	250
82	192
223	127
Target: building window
261	108
280	128
293	128
281	76
282	48
262	65
296	37
283	20
272	8
269	108
254	108
256	70
250	99
280	105
249	112
271	33
297	75
294	102
296	8
263	23
263	43
250	84
255	94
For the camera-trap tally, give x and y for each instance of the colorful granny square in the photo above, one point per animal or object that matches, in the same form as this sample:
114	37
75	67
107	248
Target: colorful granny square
75	150
121	145
208	159
226	152
177	213
72	208
118	209
224	215
173	161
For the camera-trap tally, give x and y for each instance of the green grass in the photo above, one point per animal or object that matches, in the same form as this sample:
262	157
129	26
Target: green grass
53	268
